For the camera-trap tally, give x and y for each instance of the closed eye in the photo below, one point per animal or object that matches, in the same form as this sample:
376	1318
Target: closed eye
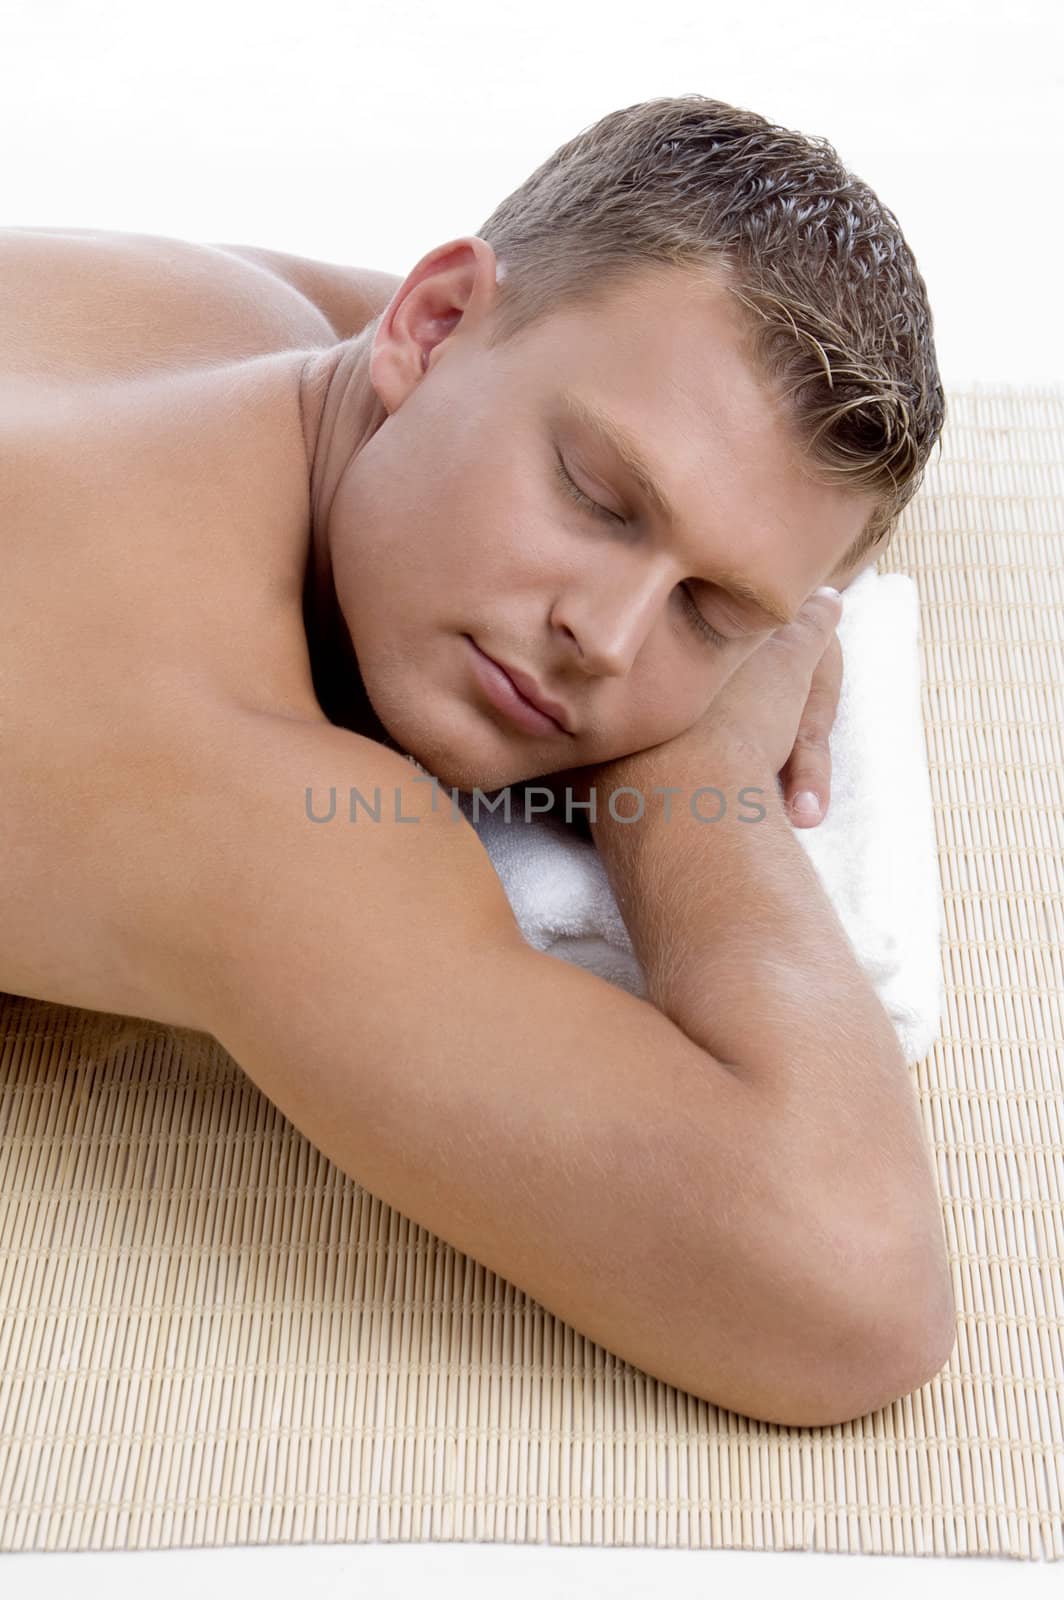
704	629
582	499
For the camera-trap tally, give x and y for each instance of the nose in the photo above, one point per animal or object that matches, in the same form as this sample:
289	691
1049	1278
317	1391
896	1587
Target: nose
610	613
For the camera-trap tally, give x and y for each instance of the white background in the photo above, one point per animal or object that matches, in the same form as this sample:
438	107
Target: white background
370	131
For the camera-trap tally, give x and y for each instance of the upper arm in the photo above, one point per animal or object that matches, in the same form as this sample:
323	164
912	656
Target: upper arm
370	977
348	297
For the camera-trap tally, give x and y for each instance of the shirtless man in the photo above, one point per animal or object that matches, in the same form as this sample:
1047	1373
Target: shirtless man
261	517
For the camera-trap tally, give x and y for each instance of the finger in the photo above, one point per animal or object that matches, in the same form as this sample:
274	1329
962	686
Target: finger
822	702
808	784
812	628
820	613
807	773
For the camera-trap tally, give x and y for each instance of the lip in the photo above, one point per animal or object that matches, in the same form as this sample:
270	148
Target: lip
514	693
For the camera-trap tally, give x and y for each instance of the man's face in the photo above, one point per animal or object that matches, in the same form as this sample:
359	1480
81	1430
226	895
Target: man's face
453	528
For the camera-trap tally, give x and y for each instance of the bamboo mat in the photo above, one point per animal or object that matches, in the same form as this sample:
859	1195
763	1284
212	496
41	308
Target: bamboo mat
209	1335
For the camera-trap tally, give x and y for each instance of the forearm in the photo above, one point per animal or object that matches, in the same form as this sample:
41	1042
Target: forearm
743	951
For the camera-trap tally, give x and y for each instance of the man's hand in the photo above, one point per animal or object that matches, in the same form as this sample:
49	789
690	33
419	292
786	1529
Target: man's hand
775	696
780	704
807	770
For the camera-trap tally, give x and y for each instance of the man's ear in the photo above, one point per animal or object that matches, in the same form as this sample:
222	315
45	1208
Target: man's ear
449	281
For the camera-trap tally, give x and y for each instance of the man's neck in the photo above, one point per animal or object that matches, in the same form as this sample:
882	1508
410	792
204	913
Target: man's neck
334	666
340	412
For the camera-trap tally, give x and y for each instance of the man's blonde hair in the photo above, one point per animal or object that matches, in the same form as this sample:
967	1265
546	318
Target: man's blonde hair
840	329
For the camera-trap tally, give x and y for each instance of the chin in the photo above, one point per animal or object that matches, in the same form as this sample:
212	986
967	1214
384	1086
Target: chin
455	744
465	773
461	768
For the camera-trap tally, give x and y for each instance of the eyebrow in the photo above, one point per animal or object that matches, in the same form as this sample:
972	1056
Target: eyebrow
620	441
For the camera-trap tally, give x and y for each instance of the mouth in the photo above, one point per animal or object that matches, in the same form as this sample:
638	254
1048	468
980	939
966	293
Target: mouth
516	695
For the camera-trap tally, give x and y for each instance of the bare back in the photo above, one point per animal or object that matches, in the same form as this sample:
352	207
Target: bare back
154	526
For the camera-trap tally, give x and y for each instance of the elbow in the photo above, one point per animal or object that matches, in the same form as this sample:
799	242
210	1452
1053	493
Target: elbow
903	1336
903	1322
925	1335
870	1348
836	1357
879	1382
843	1385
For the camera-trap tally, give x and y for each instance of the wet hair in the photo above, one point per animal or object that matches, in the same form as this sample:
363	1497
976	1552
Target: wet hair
835	310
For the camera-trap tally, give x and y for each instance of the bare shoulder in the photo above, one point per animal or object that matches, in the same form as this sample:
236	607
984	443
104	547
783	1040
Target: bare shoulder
169	463
315	828
330	878
347	296
82	302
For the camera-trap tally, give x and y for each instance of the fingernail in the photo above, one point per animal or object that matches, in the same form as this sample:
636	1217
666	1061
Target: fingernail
806	805
826	588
